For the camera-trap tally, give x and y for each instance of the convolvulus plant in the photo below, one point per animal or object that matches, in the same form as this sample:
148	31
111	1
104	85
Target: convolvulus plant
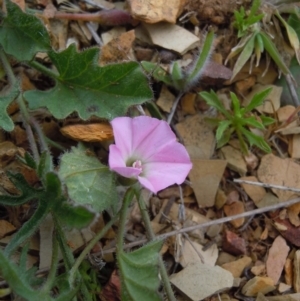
145	152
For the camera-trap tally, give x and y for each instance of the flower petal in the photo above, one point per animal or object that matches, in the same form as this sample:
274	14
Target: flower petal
162	175
122	128
149	136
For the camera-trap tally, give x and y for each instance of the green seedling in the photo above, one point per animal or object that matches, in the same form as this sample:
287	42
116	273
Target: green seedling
182	80
239	120
259	33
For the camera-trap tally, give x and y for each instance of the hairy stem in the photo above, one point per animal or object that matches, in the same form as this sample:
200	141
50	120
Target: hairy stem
40	67
151	235
89	247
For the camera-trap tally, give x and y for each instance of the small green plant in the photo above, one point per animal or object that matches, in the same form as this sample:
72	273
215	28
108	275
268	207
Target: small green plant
182	80
239	120
260	32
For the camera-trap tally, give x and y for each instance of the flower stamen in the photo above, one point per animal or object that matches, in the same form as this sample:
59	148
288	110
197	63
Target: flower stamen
138	164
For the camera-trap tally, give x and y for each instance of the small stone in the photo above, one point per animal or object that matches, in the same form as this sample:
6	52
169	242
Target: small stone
233	244
257	285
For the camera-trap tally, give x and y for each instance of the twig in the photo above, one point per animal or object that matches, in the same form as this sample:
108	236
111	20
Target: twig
94	33
266	185
208	224
174	107
192	228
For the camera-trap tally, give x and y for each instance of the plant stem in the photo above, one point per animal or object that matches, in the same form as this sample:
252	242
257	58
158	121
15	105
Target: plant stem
150	233
36	65
170	117
48	284
122	222
89	246
6	65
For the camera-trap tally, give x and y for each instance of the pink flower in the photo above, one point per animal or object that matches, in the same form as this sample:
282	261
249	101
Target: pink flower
146	149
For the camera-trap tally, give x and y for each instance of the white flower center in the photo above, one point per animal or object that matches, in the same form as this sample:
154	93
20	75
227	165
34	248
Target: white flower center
138	164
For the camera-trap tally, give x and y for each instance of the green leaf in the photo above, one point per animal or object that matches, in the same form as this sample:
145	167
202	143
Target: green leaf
225	137
10	272
223	126
139	273
157	72
257	100
74	217
6	122
30	226
89	182
213	100
27	192
256	140
45	165
202	60
235	104
244	56
267	120
274	53
88	89
22	35
252	122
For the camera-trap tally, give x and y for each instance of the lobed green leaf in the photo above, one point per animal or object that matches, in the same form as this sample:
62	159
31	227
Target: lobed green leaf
88	89
257	100
22	35
139	273
89	182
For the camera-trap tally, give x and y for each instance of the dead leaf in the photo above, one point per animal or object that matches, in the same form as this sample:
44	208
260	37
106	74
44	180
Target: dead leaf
237	267
118	50
276	258
165	100
6	228
288	176
206	176
256	193
95	132
198	281
198	137
233	209
171	37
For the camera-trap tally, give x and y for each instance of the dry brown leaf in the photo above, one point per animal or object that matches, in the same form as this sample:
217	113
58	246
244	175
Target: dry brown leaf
233	209
188	103
293	214
257	285
199	281
198	137
165	100
296	272
95	132
237	267
118	49
289	175
256	193
276	258
6	228
206	176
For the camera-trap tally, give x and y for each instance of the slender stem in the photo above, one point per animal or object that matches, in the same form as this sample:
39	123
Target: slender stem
89	247
36	65
6	65
41	135
48	284
150	233
175	104
122	222
54	144
65	250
